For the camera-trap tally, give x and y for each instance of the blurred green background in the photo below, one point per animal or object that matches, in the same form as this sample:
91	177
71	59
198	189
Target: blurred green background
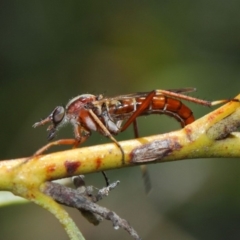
51	51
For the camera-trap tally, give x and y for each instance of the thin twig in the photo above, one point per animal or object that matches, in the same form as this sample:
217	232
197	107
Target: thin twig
72	197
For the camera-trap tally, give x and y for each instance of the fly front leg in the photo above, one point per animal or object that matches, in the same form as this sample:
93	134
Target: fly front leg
55	143
81	135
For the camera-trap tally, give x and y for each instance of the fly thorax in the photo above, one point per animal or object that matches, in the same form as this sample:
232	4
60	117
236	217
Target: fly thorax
89	123
109	123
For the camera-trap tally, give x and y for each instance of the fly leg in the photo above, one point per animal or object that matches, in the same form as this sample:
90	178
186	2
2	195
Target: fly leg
81	135
58	142
145	104
178	95
69	141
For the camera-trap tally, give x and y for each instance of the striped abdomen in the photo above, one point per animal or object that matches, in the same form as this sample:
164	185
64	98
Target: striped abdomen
125	107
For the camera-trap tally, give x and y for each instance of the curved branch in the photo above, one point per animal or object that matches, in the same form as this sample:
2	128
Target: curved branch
210	136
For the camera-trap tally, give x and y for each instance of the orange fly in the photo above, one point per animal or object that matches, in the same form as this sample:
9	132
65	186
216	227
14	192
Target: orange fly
110	116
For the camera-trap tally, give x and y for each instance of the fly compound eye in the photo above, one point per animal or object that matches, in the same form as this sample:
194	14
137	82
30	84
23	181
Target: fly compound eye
58	115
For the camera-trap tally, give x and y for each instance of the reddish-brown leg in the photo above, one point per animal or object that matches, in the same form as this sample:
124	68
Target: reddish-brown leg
70	141
175	94
132	119
141	108
194	100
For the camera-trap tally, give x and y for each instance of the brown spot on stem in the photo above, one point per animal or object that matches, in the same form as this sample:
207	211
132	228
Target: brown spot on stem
188	131
213	115
98	163
71	167
30	196
51	168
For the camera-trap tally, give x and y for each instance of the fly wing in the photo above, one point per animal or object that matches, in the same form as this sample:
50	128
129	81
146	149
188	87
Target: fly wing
104	100
143	94
182	90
